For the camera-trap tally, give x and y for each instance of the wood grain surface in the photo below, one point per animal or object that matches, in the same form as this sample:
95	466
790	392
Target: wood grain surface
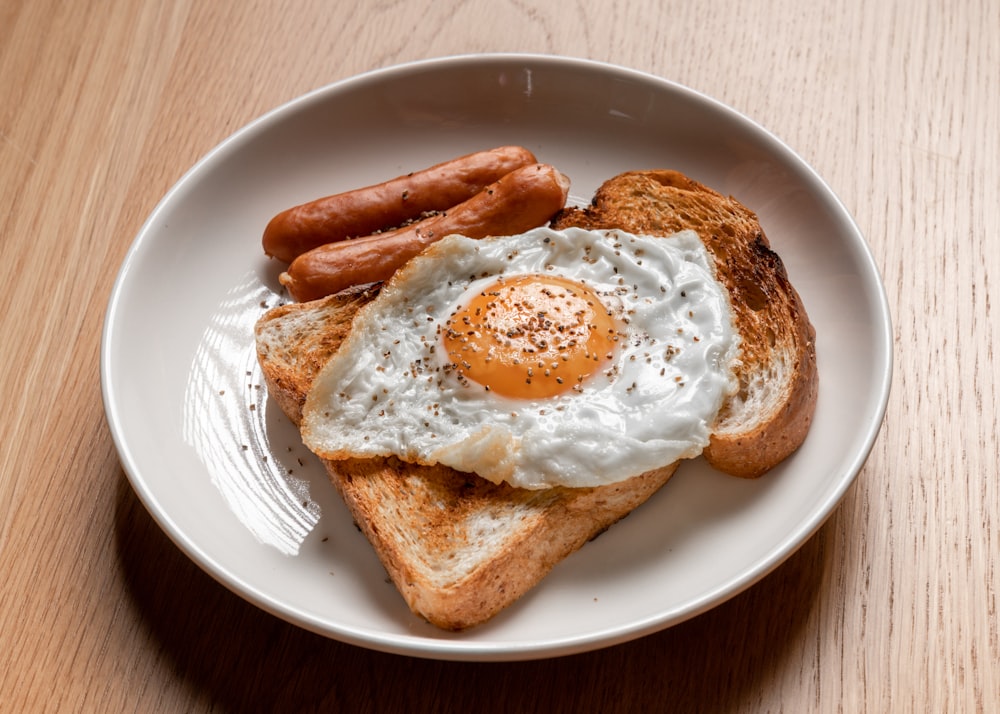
891	606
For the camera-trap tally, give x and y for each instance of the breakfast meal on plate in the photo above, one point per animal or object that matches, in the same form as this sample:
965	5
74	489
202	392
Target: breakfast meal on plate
491	402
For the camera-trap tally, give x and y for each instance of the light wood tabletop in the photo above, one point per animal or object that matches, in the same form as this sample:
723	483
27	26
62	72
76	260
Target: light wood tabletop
891	606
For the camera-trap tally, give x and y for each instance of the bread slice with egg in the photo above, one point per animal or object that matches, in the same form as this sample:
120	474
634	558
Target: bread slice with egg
459	548
769	416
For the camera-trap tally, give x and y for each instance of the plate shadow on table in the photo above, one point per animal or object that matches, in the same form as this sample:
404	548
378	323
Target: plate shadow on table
231	656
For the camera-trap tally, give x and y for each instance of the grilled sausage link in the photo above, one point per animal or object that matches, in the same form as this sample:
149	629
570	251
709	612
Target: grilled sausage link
523	199
390	204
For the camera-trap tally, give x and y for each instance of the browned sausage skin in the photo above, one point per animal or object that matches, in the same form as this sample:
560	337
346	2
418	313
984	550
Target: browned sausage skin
363	211
523	199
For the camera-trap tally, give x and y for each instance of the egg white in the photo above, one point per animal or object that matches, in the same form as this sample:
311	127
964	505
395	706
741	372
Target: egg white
390	391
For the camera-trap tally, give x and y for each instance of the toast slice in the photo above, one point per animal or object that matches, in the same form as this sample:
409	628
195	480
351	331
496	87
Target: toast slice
460	548
768	418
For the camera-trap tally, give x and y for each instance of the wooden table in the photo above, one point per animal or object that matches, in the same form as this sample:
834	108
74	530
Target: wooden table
891	606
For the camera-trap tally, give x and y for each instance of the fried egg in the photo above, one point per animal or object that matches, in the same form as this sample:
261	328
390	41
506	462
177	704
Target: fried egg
574	358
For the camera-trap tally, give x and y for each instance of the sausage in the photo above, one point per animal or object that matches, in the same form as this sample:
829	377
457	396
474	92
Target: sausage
390	204
523	199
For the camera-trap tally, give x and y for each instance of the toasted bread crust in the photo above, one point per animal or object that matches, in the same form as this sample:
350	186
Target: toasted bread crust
768	418
295	340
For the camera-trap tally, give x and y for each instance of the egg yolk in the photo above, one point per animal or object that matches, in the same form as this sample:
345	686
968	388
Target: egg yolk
531	336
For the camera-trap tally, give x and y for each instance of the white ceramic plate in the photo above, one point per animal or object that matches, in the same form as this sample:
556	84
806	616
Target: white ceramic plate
224	473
